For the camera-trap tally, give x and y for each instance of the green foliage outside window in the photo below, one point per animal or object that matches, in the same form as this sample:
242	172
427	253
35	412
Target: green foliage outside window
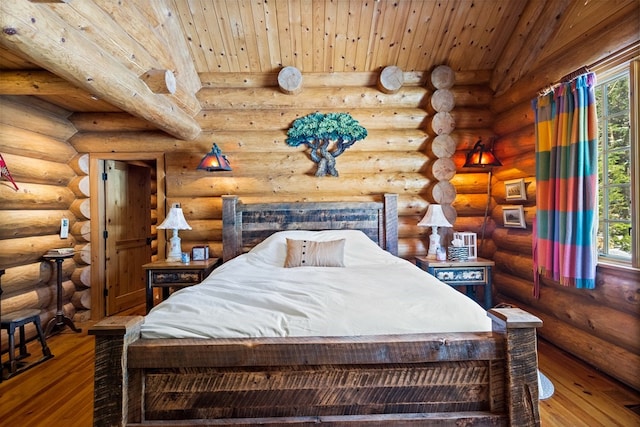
614	166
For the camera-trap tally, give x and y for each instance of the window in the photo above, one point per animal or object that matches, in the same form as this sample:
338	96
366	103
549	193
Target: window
617	161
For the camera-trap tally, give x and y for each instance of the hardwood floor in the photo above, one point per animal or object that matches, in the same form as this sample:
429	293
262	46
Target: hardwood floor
59	392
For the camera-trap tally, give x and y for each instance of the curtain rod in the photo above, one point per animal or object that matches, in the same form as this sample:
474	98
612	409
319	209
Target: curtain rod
565	79
614	59
580	71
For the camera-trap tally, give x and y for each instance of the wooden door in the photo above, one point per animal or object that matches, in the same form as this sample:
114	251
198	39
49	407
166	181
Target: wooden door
127	233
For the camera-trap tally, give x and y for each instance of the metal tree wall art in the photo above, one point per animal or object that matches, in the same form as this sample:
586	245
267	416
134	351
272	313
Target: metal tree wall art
320	132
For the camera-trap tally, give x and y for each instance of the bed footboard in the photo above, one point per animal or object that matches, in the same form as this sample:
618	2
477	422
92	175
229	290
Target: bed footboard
443	379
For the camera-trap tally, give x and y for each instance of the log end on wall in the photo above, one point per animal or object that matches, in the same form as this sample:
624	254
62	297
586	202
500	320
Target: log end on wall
391	79
443	100
290	80
442	123
443	77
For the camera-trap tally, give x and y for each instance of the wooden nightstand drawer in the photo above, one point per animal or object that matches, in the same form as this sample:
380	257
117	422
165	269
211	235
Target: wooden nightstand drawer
165	275
470	274
462	275
160	277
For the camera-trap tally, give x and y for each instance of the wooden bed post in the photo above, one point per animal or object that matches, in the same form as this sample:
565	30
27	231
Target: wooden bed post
111	380
519	330
231	248
391	223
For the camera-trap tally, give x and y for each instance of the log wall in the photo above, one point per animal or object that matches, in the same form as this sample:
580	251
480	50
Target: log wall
49	176
249	118
600	326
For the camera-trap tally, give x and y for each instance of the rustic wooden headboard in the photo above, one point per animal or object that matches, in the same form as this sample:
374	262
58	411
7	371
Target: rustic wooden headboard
246	225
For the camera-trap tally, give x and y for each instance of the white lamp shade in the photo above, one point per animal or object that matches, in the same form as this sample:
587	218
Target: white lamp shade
434	217
175	219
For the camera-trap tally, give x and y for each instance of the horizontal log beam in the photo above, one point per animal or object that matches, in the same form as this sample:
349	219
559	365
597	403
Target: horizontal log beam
607	357
37	83
35	196
249	164
513	239
38	171
338	79
318	98
194	183
26	143
26	223
23	278
251	120
230	142
599	320
20	114
43	37
25	250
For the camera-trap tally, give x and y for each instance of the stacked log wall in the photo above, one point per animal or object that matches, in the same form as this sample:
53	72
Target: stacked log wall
600	326
33	137
248	119
471	184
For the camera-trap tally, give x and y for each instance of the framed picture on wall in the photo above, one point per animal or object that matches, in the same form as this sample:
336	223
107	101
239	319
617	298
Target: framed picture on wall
513	216
515	189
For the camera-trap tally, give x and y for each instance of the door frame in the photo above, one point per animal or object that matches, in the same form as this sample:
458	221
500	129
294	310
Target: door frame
97	204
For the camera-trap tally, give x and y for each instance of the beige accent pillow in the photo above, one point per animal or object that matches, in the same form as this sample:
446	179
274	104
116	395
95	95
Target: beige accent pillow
308	253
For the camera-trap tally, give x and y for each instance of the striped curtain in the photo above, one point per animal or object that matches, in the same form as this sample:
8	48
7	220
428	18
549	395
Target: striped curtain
564	242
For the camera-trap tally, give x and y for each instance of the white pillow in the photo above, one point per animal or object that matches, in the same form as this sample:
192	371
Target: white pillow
359	249
310	253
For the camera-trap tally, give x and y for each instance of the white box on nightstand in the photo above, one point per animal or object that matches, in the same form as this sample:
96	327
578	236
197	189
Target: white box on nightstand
469	241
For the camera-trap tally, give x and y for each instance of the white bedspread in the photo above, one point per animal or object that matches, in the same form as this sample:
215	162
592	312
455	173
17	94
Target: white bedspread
254	296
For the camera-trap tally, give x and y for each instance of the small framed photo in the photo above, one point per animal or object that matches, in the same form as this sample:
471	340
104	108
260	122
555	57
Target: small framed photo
513	216
515	189
199	253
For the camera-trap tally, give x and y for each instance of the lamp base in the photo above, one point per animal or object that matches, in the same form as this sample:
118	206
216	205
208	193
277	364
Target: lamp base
175	248
434	242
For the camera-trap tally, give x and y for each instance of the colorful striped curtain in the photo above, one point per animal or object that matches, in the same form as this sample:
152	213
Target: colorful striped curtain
564	242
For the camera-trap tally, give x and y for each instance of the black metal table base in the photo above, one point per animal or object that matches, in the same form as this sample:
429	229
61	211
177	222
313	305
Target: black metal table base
57	324
60	320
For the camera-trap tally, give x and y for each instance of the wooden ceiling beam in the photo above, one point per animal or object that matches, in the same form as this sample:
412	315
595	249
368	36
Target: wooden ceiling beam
42	36
516	44
611	35
36	83
546	25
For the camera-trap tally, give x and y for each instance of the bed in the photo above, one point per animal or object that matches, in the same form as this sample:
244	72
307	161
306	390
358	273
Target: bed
189	364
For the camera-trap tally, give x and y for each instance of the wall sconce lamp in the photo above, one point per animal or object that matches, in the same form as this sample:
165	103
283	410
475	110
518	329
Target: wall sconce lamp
214	161
175	221
481	156
434	218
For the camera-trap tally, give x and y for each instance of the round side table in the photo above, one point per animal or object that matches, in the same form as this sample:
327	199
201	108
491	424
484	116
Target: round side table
60	320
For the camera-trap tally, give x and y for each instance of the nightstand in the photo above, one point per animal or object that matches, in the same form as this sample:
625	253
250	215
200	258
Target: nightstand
165	275
469	273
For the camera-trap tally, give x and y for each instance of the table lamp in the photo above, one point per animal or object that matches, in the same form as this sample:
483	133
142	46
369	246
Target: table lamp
434	218
175	221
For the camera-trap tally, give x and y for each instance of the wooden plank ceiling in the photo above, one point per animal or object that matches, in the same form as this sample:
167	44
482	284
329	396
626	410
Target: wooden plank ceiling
195	38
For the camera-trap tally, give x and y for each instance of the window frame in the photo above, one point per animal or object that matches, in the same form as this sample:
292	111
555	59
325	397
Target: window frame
633	68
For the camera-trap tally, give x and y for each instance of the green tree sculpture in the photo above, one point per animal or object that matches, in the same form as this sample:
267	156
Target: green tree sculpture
318	131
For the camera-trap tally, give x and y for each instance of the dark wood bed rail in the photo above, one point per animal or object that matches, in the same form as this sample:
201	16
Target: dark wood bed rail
245	225
443	379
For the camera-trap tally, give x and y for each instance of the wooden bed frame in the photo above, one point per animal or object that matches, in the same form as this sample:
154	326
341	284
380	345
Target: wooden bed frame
385	380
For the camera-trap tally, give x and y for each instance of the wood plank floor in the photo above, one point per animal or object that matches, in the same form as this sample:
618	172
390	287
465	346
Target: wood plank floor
59	392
